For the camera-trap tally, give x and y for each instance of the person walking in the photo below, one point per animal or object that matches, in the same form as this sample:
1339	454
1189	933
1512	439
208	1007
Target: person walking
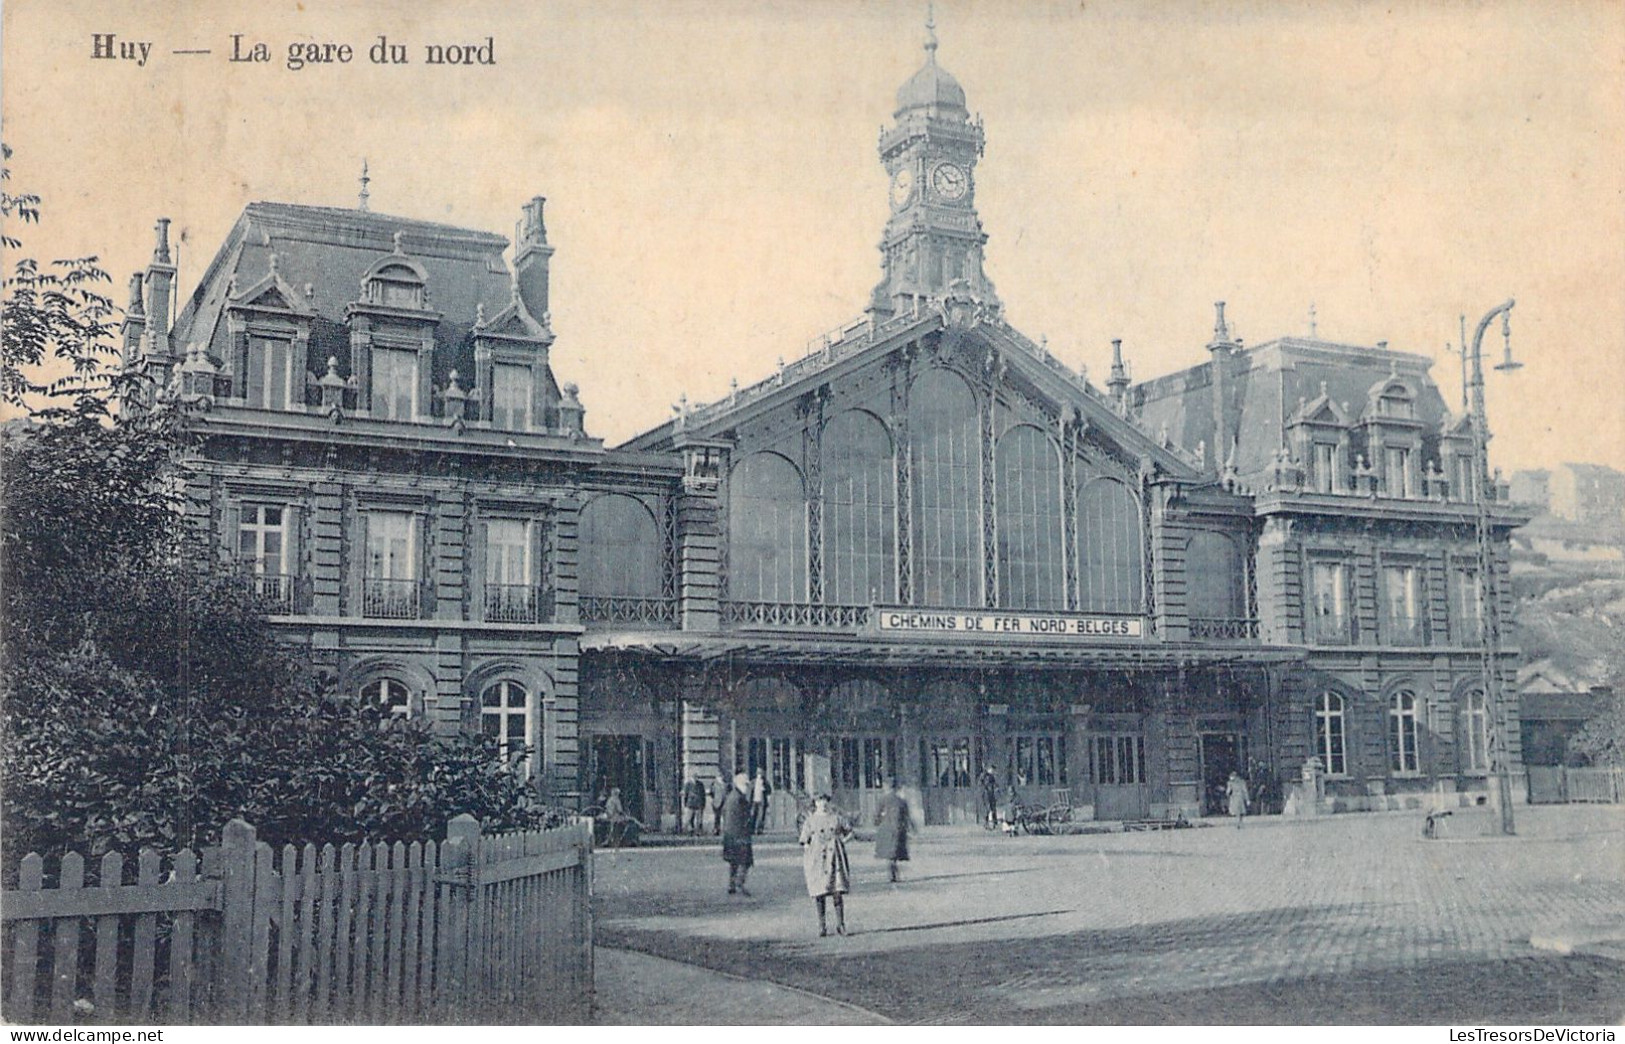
891	828
719	794
824	861
736	846
615	813
1235	792
990	796
694	804
760	788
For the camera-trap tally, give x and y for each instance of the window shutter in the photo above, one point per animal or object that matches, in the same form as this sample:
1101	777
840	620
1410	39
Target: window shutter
426	582
480	569
231	521
292	562
539	576
358	567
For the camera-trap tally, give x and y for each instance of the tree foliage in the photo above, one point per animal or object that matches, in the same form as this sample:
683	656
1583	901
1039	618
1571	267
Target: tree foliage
147	699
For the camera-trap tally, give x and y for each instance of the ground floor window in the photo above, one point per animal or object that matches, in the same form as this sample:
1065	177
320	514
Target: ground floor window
950	762
1402	733
1117	759
505	716
780	757
864	762
1476	723
1037	760
1329	734
390	693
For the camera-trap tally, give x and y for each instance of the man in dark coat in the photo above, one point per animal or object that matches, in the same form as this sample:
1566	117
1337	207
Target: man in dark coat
990	795
694	804
736	828
891	827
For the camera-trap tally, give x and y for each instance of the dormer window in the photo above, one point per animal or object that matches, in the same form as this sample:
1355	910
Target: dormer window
394	383
395	286
266	380
513	391
1396	402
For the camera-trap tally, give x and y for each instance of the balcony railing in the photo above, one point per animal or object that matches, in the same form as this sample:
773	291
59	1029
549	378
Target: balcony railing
391	599
276	590
1223	629
793	615
619	609
517	603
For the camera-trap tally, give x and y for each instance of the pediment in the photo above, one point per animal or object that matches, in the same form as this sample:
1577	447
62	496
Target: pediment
513	323
987	350
1321	410
271	293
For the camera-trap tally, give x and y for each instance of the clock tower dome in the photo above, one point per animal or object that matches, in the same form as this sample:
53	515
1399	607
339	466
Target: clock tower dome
933	241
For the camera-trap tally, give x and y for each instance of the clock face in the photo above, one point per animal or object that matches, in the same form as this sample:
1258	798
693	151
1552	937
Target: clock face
949	181
902	187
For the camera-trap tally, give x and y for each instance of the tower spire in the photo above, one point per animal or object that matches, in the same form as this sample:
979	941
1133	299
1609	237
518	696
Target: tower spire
361	199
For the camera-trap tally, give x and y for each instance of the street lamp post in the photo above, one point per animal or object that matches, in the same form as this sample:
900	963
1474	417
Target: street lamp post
1489	586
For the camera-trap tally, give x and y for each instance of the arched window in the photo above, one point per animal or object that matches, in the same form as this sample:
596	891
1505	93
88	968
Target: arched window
860	511
1402	747
946	468
767	531
1109	548
391	693
1032	548
1215	584
1475	722
620	549
1330	743
505	716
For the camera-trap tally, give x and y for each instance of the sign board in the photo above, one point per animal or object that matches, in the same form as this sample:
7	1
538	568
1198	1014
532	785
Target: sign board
937	622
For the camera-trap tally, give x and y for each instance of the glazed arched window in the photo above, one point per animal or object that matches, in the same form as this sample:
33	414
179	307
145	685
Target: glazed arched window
1032	547
1215	585
946	469
1109	548
620	549
1330	734
505	717
767	531
390	693
1475	723
860	511
1402	736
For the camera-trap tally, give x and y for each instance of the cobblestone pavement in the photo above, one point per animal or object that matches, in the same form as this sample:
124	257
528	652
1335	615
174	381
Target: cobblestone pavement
1344	919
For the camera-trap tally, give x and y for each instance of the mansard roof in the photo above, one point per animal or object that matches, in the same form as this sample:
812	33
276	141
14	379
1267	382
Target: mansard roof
1269	380
863	343
322	255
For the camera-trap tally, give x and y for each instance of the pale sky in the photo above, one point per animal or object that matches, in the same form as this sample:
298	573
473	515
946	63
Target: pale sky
716	200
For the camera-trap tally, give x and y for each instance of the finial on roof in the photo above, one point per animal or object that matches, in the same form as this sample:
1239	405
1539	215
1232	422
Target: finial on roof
361	198
273	262
931	32
1312	325
1323	387
479	314
396	239
1221	332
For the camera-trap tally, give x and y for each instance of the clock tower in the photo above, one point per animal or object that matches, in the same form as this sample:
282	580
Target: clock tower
933	241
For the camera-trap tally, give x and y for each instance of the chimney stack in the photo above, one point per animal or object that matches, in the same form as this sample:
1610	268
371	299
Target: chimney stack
135	322
532	257
1222	350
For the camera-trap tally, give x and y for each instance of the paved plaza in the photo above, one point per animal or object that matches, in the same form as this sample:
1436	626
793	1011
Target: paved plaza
1346	919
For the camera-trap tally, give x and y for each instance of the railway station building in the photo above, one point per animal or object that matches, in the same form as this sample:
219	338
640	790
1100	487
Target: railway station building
925	547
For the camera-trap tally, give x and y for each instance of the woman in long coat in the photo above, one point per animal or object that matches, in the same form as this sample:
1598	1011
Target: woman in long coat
1235	791
824	861
891	827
